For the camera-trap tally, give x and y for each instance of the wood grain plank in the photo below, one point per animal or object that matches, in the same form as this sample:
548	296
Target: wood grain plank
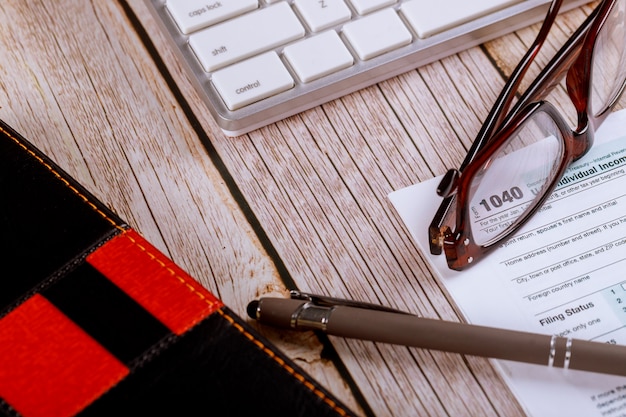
335	230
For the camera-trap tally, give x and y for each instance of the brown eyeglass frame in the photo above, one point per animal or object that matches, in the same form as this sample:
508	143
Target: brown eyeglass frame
574	58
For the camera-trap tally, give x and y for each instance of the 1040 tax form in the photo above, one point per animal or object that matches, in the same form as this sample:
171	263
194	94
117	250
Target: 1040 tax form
563	273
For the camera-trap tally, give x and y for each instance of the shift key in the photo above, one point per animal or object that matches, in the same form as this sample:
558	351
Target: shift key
252	80
246	36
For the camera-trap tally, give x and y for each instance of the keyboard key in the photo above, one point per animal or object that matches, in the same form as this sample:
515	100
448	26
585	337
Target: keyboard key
377	33
322	14
245	36
431	17
367	6
252	80
191	15
318	56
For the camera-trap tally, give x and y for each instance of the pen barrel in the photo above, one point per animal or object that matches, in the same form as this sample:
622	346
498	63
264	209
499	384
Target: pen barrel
468	339
478	340
598	357
442	335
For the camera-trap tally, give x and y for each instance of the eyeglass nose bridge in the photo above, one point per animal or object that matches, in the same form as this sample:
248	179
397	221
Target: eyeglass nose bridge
449	183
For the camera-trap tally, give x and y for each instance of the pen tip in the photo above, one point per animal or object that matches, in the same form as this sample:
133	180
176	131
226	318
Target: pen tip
252	308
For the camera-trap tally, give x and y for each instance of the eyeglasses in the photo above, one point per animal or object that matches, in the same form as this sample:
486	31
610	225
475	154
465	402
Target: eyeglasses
519	156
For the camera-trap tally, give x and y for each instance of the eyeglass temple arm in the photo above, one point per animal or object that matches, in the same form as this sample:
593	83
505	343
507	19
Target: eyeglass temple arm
555	70
493	121
502	104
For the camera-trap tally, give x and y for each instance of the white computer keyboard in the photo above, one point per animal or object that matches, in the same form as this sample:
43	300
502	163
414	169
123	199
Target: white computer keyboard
258	61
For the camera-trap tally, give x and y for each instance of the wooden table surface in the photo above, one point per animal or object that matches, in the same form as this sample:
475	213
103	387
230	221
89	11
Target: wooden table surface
301	203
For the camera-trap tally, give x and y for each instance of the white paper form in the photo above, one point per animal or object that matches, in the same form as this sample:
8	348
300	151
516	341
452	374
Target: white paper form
563	273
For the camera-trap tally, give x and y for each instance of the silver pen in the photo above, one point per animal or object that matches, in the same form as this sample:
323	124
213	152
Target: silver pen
352	319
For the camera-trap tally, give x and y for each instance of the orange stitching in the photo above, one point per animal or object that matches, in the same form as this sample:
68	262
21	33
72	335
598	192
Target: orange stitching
285	366
171	271
63	180
251	337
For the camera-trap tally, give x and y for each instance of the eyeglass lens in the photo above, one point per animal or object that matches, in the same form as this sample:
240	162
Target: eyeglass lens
508	183
505	187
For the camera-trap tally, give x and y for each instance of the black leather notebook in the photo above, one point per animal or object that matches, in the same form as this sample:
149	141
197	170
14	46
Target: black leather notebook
96	321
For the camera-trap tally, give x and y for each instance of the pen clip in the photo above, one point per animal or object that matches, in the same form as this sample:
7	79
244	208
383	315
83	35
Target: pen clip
325	301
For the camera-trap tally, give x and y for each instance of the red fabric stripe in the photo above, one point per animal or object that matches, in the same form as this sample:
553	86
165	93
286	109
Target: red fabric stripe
154	281
48	365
